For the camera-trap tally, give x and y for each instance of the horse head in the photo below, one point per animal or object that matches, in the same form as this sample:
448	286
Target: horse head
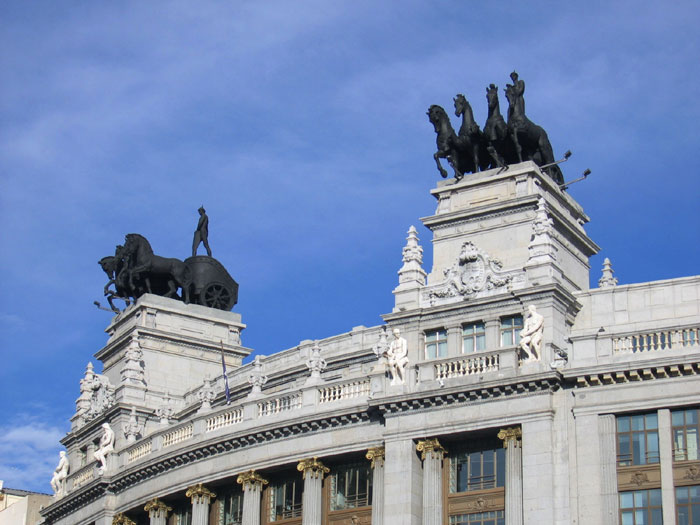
108	265
461	104
492	96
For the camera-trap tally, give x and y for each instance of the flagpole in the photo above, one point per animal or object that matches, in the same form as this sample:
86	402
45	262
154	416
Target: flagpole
223	366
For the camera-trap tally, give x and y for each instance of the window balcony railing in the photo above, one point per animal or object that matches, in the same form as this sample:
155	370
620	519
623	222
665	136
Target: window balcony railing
474	364
657	340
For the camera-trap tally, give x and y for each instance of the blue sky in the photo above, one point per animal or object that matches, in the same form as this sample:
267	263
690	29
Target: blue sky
301	127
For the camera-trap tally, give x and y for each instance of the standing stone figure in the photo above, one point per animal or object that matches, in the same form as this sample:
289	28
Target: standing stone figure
531	334
106	446
58	481
201	234
397	358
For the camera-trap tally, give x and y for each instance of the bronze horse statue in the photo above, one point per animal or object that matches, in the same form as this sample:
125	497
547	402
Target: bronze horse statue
116	269
496	135
470	138
458	152
144	263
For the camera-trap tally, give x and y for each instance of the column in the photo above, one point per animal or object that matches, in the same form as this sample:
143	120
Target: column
668	492
376	456
511	438
252	484
403	483
312	501
201	497
432	454
157	511
610	501
493	334
454	341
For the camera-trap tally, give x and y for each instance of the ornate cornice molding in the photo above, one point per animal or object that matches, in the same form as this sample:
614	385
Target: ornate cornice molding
376	456
511	436
199	494
251	480
313	467
431	447
648	373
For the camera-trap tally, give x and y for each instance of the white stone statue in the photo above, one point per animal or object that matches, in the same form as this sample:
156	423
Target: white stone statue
316	363
531	334
106	447
397	358
58	481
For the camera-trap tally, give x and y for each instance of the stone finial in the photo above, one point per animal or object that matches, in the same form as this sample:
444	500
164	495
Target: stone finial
122	519
157	509
412	270
376	456
251	480
315	362
256	378
431	447
165	411
132	429
132	372
510	436
199	494
313	467
206	395
607	279
541	248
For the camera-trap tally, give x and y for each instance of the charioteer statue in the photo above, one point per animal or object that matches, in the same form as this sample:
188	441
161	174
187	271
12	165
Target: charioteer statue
134	270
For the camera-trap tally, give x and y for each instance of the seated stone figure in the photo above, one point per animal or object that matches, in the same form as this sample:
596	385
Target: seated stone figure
531	334
58	481
397	358
106	447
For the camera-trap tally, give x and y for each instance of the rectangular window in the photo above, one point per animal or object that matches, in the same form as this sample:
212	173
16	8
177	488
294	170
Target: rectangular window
182	514
641	507
231	508
473	338
688	505
285	499
637	440
82	456
435	344
686	434
510	330
351	486
480	518
477	468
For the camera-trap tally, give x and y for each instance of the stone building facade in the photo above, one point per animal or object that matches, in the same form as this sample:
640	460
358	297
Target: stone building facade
500	390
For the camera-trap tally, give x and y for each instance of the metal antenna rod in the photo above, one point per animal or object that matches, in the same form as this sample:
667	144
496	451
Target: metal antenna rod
566	157
99	306
566	185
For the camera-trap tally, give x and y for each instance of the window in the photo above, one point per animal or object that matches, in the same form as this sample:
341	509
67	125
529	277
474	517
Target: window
641	507
436	344
686	428
473	337
285	499
182	513
481	518
480	467
82	456
231	508
637	440
688	505
351	486
510	330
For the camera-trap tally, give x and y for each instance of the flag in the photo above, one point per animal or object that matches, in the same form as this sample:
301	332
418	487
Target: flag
223	366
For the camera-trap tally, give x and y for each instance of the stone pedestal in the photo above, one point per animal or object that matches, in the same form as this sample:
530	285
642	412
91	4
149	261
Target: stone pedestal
432	454
157	512
312	501
252	484
201	498
610	503
514	475
376	456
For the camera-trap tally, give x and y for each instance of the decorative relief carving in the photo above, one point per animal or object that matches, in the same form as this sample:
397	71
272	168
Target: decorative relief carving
541	248
479	505
251	480
639	478
132	371
96	396
256	378
206	395
316	363
431	447
376	456
313	467
692	473
472	274
166	410
132	429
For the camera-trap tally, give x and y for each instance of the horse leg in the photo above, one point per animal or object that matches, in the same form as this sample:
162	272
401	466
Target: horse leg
442	171
475	155
500	163
453	163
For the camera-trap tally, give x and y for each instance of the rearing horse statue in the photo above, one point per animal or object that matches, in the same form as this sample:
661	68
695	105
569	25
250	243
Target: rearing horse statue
498	142
470	138
449	146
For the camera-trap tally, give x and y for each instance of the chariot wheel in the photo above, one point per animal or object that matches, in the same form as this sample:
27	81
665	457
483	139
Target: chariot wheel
215	295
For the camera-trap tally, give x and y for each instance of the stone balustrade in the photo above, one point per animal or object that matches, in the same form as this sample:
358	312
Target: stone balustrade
344	391
657	340
83	476
467	365
178	435
225	419
279	404
139	451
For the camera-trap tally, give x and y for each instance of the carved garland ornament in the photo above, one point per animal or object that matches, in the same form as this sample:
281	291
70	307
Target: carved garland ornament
376	456
432	447
157	508
199	494
251	479
639	478
511	435
313	466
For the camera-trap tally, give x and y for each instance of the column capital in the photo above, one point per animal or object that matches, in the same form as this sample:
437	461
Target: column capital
511	435
313	466
376	456
122	519
157	509
200	494
431	447
251	480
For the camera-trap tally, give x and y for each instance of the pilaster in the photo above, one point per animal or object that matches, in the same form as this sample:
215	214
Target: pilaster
312	509
252	484
376	456
201	497
157	511
668	492
610	502
511	438
403	480
432	454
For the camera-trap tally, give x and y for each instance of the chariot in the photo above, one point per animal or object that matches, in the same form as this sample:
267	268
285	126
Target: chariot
210	284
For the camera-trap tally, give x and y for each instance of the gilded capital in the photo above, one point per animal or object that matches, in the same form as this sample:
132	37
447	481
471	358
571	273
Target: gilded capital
251	479
376	456
313	466
510	435
432	447
200	494
121	519
157	508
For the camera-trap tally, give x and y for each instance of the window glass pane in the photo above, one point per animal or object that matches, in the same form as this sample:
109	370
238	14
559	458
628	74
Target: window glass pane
640	498
468	345
443	349
481	342
637	422
626	500
682	495
506	339
677	419
692	443
638	452
656	517
623	424
655	498
691	416
651	421
627	518
652	447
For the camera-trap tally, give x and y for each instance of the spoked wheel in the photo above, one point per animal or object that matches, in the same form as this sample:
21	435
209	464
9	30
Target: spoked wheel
215	295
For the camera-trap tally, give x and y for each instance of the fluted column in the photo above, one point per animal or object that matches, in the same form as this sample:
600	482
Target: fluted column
514	474
432	454
376	456
201	497
252	484
610	502
157	511
312	501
